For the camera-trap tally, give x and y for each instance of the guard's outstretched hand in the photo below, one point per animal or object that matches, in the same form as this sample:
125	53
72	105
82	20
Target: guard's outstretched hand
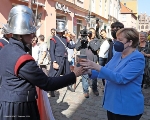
78	71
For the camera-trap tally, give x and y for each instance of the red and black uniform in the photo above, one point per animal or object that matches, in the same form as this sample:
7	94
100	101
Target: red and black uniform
59	54
20	74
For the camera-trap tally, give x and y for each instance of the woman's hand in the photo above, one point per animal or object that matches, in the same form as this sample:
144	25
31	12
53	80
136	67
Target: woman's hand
87	64
78	71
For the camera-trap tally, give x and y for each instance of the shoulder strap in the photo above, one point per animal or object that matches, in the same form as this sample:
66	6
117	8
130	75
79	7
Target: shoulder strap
62	42
5	39
21	60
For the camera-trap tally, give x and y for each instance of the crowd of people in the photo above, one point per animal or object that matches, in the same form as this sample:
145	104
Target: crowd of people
122	63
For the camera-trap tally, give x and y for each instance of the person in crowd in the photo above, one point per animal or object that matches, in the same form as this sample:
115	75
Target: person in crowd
148	38
43	54
59	55
35	49
144	48
90	50
53	32
104	49
114	28
5	38
71	53
20	73
123	97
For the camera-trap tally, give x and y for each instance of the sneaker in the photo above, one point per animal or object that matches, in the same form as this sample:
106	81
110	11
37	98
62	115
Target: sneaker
96	92
86	95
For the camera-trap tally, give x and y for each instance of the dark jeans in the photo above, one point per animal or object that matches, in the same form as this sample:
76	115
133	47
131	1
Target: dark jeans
102	62
112	116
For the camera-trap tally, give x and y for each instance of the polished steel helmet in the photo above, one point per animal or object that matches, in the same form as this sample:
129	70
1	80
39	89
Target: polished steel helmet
21	21
60	27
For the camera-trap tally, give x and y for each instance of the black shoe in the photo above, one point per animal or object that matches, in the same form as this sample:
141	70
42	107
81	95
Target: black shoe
96	92
52	93
70	88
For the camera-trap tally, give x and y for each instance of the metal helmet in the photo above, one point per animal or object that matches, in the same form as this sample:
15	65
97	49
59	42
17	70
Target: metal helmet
60	27
21	21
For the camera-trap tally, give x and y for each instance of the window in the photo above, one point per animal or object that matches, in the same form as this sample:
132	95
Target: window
146	27
124	18
142	27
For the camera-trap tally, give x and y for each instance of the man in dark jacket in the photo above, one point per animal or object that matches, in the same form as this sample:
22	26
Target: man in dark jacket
59	55
5	39
90	50
114	28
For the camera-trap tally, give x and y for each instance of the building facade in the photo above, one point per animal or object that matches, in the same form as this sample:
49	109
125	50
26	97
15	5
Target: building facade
127	17
113	13
144	22
73	12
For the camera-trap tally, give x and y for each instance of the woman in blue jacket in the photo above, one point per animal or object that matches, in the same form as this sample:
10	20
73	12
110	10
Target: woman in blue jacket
123	98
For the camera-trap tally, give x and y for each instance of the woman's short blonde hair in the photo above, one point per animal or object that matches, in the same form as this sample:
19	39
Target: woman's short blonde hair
130	34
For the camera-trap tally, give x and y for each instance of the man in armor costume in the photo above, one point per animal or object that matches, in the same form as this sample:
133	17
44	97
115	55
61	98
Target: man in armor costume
20	73
59	55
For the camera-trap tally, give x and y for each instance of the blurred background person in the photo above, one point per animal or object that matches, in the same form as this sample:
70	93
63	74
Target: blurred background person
53	33
148	38
104	49
71	53
89	48
35	49
144	48
43	60
4	40
114	28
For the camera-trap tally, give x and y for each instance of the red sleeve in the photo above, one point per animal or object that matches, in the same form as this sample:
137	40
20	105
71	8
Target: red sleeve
53	40
1	44
22	60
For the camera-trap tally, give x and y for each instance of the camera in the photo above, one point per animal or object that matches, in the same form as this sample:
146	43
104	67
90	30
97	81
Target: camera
84	33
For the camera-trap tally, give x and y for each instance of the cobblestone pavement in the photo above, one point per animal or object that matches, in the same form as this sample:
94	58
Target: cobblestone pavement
75	107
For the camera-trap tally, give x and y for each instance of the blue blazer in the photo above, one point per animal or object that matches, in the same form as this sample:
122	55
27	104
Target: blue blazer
123	93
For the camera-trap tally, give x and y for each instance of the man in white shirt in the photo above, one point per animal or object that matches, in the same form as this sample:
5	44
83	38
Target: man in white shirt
104	49
35	49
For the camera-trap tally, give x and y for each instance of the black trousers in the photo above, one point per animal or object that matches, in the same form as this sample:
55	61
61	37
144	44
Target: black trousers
112	116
